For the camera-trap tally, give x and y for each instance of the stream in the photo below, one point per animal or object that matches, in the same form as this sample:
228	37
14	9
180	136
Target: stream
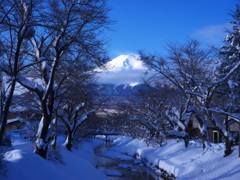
118	169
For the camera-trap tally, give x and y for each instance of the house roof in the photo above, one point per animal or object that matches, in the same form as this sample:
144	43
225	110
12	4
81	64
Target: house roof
9	121
232	120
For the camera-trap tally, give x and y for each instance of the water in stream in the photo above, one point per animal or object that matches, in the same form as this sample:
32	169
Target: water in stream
128	170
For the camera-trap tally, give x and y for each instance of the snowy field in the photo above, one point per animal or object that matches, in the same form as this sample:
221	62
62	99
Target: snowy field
23	164
184	163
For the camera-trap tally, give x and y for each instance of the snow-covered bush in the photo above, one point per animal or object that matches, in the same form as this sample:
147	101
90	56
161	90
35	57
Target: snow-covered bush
54	154
29	130
157	140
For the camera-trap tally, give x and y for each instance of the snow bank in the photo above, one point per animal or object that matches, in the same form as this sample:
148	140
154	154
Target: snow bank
22	163
113	173
183	163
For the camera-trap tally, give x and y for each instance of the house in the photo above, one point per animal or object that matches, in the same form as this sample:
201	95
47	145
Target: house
234	128
14	124
215	136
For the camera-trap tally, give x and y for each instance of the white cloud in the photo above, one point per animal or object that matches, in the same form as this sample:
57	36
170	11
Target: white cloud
212	34
121	77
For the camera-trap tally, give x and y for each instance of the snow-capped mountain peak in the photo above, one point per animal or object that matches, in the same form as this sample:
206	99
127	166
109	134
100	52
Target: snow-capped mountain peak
124	69
124	62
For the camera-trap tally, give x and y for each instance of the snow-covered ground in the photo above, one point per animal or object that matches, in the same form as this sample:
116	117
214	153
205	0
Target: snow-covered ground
23	164
184	163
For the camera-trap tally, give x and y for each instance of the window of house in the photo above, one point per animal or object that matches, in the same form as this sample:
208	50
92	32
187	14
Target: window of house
215	136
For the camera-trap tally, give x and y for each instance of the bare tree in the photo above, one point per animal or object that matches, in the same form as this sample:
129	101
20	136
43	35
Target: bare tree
191	70
70	32
74	99
185	68
72	119
16	27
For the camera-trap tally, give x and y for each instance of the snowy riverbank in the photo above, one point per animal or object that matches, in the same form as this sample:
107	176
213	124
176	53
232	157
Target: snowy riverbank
22	163
183	163
173	157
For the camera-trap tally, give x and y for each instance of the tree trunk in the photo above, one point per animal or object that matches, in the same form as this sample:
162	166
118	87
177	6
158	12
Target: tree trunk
228	142
41	143
228	146
202	129
5	109
68	141
41	151
186	141
203	141
54	129
47	110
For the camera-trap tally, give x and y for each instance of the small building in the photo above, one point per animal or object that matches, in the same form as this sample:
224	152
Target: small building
14	124
233	127
215	136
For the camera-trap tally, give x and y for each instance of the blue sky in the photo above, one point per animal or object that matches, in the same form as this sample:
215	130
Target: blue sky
149	24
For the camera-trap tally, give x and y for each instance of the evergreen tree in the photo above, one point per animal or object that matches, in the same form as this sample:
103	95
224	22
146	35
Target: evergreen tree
229	68
228	74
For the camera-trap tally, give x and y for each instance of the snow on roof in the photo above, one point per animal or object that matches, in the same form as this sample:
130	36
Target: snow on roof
232	120
14	120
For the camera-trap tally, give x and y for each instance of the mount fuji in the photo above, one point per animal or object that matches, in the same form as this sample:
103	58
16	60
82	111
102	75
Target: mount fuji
124	69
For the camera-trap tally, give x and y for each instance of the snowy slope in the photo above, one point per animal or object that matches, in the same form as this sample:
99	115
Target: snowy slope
124	69
192	163
23	164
